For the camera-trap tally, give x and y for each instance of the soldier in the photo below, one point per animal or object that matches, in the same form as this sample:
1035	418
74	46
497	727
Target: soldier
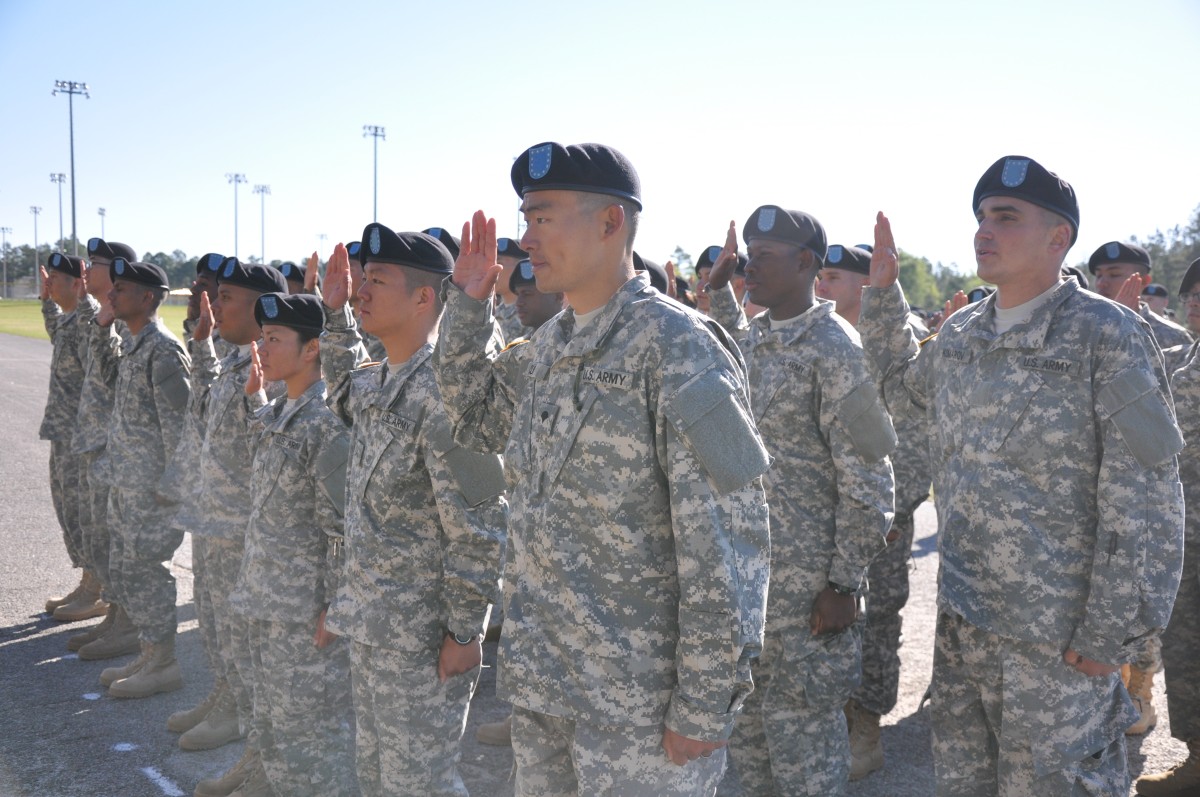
1181	639
449	241
831	495
373	345
1157	298
59	301
637	570
222	504
292	561
704	265
116	634
151	394
425	523
1058	498
1116	263
1189	297
295	276
841	281
508	254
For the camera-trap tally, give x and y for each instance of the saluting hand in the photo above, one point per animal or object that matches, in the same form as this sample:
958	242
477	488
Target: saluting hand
337	278
44	284
952	305
726	263
1130	293
310	276
254	382
476	269
204	321
885	265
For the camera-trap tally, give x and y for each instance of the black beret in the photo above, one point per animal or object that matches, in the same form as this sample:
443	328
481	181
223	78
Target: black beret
291	271
789	226
979	293
1117	252
866	248
593	168
848	258
1154	289
1190	277
413	249
449	241
1076	273
522	275
507	247
98	247
211	263
298	310
708	257
254	276
66	264
352	249
146	274
658	274
1025	178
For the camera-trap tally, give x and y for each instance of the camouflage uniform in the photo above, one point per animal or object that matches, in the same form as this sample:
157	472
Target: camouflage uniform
91	430
58	424
425	524
1166	332
221	504
830	494
638	557
1060	520
1181	639
302	710
510	323
149	401
887	577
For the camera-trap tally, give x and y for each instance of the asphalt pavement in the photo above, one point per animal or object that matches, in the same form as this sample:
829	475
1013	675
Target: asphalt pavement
60	736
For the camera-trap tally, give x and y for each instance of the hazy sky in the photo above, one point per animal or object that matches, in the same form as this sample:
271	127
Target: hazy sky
836	108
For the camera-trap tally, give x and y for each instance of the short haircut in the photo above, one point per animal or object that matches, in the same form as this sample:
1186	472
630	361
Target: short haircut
415	279
158	295
592	202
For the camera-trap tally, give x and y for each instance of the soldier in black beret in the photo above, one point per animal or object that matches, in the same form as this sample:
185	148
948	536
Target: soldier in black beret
238	288
295	276
534	308
448	240
1157	297
657	274
1122	272
704	265
842	279
508	254
1189	296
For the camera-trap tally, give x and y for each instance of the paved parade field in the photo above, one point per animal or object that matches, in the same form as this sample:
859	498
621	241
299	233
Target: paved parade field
61	736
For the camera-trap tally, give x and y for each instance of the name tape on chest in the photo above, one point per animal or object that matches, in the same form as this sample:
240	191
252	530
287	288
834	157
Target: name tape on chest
956	355
287	443
397	423
1046	364
606	378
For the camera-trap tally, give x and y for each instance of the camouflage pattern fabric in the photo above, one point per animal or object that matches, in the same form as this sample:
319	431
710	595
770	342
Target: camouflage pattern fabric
638	555
830	492
303	719
150	396
1166	332
510	323
559	757
58	423
1045	440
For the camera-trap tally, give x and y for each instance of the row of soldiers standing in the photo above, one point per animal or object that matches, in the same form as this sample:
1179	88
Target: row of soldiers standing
636	443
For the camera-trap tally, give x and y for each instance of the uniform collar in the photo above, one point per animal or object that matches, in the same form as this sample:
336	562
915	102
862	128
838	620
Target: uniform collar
391	387
980	322
150	329
761	330
593	336
284	417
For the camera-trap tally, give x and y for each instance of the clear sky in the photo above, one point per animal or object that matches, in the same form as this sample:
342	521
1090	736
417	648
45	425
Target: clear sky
836	108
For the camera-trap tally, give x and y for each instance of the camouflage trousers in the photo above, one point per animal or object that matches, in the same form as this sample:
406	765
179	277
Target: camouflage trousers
791	738
887	580
303	717
559	757
141	546
222	562
1181	651
93	516
1011	718
1149	658
66	496
206	619
409	724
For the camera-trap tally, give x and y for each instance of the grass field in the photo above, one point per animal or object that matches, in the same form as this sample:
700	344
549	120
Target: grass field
24	317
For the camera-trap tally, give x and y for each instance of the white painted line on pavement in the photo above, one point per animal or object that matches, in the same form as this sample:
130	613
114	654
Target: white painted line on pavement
92	696
124	747
67	657
164	783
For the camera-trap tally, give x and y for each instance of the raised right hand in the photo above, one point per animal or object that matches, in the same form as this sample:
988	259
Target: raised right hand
254	382
310	275
476	269
885	265
44	284
337	277
722	270
204	321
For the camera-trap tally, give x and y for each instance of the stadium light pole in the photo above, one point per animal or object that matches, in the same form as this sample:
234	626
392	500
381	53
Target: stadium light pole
4	233
71	88
376	132
263	192
235	179
101	212
59	178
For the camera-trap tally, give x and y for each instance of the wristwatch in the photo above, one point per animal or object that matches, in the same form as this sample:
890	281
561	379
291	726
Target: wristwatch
464	640
839	589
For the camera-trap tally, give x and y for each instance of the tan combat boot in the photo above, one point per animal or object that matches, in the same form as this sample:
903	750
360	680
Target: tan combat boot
185	720
1141	685
121	639
866	751
114	674
95	632
54	603
255	786
238	774
160	673
219	726
1181	780
87	603
498	734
